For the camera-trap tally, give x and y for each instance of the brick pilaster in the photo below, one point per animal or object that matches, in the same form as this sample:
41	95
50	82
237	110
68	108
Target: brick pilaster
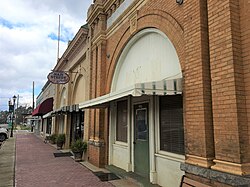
198	116
228	88
97	150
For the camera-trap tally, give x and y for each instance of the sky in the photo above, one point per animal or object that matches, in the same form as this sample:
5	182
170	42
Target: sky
28	43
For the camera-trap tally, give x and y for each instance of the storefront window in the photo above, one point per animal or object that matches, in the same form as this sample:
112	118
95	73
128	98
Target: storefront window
49	125
121	125
77	126
171	124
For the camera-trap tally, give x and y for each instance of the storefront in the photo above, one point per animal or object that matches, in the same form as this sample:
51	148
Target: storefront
44	124
146	133
77	123
74	63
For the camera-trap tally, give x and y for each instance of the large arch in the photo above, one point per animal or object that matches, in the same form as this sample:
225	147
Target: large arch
149	56
63	97
79	90
163	22
61	118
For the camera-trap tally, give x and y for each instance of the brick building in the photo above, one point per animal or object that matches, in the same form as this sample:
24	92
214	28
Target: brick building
67	118
42	120
169	89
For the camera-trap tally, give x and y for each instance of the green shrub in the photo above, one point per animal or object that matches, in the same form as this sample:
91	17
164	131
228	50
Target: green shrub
79	146
53	138
60	139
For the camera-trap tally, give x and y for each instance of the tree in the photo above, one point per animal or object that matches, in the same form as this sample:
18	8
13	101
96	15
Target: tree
3	117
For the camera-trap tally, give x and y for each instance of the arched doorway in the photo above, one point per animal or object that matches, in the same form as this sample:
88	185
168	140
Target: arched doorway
77	115
61	115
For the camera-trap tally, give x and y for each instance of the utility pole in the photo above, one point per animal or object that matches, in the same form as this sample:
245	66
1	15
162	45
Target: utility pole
17	101
58	41
33	96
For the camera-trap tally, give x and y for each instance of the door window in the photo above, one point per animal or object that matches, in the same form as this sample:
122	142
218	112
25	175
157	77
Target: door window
141	124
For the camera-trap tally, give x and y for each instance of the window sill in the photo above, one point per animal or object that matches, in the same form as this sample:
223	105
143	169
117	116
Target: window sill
170	156
120	144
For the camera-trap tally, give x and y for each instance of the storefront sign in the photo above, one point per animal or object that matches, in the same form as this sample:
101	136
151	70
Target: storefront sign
58	77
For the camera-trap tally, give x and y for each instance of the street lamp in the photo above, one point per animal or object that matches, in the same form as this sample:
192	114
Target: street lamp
13	106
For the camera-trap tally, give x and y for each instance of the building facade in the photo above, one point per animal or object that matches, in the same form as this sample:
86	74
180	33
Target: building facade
42	120
169	89
68	118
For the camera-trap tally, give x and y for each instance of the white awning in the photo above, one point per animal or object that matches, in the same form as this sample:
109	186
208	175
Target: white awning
164	87
48	115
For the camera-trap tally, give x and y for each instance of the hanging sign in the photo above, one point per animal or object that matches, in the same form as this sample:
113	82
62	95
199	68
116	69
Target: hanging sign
58	77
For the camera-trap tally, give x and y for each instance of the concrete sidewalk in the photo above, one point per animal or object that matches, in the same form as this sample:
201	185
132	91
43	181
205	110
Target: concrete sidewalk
7	163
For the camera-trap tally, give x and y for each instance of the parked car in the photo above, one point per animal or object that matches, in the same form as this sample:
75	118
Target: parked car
4	134
4	125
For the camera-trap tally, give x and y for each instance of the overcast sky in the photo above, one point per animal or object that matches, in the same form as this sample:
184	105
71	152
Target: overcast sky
28	42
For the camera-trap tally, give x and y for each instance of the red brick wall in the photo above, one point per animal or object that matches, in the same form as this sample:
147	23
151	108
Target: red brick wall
213	45
229	112
198	123
245	43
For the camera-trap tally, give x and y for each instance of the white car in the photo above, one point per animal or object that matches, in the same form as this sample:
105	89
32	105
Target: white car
4	134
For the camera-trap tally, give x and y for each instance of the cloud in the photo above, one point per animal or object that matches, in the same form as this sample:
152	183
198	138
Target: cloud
8	24
28	42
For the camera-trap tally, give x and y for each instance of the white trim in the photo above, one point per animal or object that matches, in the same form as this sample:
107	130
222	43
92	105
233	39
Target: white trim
171	156
121	144
129	131
159	152
47	115
152	166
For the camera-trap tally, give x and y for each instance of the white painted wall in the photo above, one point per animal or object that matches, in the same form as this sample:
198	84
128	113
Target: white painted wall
61	124
149	56
120	156
63	98
168	171
79	94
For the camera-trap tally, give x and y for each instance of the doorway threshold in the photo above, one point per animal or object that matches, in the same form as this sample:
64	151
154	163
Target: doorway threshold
131	176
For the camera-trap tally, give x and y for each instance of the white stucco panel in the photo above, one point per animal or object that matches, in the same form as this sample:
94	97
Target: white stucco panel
149	56
79	94
168	172
63	98
120	156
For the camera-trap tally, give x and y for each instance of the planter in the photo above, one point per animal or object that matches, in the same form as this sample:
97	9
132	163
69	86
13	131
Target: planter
78	156
78	148
60	141
59	145
53	138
